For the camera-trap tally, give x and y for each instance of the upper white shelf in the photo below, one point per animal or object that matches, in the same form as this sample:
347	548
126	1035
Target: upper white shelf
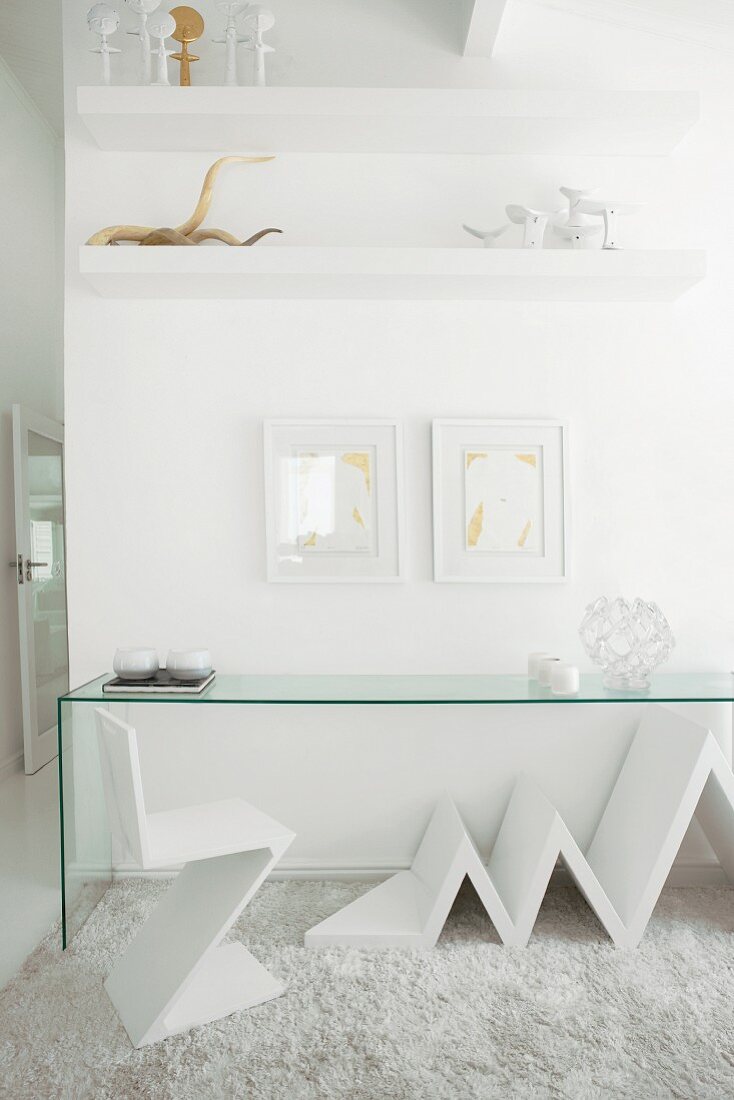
280	271
386	120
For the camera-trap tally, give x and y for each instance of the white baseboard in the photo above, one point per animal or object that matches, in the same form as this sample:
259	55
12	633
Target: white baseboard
705	872
291	870
686	873
11	765
323	870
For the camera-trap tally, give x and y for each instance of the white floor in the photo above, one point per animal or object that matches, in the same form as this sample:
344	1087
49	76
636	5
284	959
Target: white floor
30	897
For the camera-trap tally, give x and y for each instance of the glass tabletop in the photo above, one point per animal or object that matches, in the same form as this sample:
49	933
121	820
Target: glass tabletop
693	687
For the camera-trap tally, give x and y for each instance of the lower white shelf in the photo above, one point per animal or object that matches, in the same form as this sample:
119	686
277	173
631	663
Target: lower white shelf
281	271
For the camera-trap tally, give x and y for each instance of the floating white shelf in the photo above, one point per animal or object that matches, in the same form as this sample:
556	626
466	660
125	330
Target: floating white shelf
386	120
278	271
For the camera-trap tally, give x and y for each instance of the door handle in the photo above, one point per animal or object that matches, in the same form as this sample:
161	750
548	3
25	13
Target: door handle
31	565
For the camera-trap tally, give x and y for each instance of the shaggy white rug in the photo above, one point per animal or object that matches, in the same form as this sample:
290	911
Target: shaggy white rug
568	1016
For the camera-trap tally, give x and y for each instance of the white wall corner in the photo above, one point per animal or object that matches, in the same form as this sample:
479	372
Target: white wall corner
29	104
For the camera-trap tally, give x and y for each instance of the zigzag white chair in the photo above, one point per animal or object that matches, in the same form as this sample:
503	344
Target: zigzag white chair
174	975
673	770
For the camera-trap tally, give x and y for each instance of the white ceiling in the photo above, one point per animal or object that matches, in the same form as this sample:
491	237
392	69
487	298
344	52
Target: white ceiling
30	43
708	23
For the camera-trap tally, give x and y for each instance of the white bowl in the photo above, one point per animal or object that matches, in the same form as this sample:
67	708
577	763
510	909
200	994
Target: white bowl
189	664
137	663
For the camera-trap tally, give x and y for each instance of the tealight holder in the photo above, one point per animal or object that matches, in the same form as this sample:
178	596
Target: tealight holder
545	669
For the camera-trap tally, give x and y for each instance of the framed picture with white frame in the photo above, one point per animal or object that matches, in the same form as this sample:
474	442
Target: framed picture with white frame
334	500
500	508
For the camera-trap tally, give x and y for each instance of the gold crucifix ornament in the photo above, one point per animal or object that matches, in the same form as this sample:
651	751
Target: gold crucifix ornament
189	27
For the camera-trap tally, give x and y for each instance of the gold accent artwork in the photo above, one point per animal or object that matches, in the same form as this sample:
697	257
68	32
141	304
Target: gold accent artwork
524	533
475	525
188	233
332	508
189	27
503	511
362	461
472	456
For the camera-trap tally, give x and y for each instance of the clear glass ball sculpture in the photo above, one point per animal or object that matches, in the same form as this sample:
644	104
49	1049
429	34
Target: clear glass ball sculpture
628	639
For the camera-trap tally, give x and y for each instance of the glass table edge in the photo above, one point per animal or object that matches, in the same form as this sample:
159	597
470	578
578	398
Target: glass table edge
209	696
62	851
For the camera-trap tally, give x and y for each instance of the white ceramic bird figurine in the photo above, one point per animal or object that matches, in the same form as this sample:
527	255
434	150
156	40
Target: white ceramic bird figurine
231	37
534	222
610	211
488	237
575	195
577	234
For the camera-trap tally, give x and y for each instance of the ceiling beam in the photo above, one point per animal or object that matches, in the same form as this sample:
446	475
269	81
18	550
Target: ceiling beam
483	18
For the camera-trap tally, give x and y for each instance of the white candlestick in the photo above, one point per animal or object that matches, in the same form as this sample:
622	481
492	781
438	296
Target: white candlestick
534	660
565	679
545	668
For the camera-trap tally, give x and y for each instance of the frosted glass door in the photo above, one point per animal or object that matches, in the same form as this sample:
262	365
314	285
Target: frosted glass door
41	576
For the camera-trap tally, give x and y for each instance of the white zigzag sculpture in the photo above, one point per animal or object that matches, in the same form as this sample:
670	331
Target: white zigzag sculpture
673	770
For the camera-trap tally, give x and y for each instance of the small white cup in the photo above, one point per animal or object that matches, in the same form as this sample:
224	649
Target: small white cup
565	679
534	660
189	664
135	663
545	668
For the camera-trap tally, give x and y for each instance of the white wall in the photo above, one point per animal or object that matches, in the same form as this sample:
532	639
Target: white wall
30	340
164	404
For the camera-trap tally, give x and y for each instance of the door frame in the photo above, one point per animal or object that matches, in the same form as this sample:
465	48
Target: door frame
44	747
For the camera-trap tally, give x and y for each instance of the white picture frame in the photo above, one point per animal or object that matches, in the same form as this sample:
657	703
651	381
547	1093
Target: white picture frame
515	471
334	501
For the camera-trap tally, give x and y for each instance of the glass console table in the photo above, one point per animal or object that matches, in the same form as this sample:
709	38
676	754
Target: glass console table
86	858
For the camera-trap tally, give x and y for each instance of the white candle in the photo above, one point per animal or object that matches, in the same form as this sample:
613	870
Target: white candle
533	661
564	679
545	668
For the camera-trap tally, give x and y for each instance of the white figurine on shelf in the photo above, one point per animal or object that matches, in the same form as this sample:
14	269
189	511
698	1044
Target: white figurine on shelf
488	237
162	27
577	234
102	19
143	8
258	20
534	222
231	37
575	195
610	211
570	223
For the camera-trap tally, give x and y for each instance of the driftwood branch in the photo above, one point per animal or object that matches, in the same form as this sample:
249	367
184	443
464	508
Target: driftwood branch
188	233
